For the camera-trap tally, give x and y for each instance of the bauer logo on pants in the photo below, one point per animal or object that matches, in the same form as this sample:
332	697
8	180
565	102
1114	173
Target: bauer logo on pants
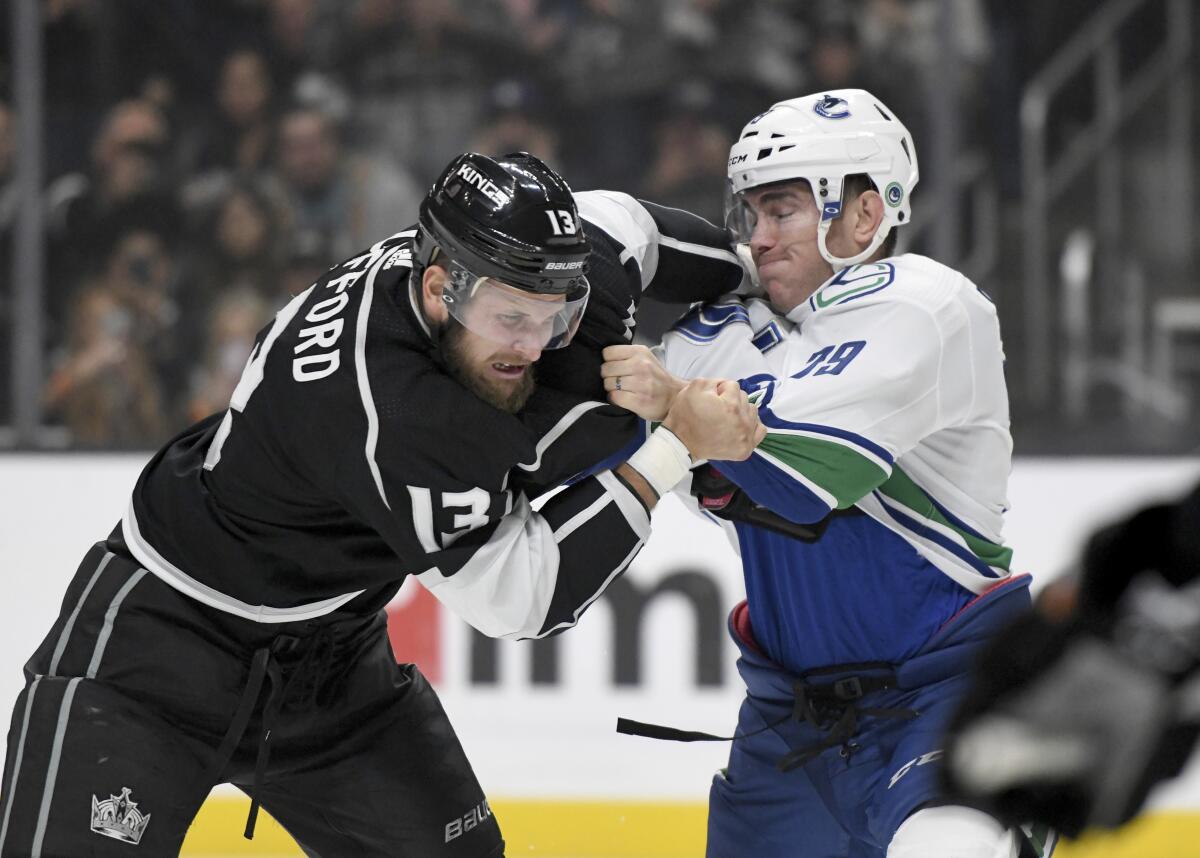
456	828
118	817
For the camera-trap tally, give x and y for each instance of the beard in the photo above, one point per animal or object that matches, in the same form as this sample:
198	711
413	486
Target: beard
506	397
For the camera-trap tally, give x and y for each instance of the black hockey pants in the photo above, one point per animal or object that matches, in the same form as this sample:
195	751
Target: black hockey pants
140	699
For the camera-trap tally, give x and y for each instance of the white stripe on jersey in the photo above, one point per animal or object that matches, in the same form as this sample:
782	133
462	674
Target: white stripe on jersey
700	249
949	565
637	517
583	516
252	377
941	529
364	383
822	495
565	422
189	586
566	624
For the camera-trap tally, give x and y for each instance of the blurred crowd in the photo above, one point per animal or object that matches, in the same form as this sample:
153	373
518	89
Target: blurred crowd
205	161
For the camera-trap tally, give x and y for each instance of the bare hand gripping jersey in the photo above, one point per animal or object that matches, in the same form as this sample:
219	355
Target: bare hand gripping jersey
883	392
349	459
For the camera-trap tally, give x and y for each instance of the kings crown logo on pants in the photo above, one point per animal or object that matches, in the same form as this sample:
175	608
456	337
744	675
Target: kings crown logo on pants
118	817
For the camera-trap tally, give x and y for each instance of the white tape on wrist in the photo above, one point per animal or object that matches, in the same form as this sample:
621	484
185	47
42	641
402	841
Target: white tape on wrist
662	461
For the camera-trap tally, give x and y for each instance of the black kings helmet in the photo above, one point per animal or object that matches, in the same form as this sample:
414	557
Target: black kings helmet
511	218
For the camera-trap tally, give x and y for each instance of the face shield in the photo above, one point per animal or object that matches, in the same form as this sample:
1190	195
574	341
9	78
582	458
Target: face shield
782	204
509	316
739	216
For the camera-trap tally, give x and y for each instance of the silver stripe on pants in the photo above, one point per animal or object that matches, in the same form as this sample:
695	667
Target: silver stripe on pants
110	617
16	769
60	731
70	624
64	710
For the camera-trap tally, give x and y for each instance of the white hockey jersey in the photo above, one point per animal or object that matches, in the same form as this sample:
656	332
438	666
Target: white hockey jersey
884	391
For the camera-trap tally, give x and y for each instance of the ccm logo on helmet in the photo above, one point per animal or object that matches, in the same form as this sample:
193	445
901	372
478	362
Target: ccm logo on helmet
485	185
737	159
563	266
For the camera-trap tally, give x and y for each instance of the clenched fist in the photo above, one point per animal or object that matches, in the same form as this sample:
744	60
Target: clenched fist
636	381
715	420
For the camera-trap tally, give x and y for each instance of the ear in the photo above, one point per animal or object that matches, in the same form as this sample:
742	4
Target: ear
433	281
869	211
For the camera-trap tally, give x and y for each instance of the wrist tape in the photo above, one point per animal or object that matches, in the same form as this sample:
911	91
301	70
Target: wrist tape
662	461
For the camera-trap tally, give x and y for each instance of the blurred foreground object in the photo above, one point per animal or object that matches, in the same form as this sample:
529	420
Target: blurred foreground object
1071	720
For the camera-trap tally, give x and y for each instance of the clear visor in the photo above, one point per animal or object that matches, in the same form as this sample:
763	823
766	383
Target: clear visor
510	316
781	205
739	216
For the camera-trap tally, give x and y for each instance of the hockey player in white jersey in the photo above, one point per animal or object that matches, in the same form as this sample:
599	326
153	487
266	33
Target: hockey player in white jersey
869	519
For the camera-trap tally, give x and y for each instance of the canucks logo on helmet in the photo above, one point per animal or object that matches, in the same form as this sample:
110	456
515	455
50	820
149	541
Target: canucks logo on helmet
832	107
894	194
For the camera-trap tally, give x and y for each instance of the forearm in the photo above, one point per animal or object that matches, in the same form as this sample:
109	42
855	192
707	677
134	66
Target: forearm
638	483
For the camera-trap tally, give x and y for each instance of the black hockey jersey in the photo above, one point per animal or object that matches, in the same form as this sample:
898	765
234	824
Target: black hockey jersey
348	458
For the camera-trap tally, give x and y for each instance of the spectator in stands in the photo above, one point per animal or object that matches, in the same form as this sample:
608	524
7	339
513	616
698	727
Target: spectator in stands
103	387
239	137
239	249
350	198
235	319
144	274
128	181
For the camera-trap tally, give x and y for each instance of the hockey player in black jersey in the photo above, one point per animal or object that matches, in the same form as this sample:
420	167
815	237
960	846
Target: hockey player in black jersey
395	419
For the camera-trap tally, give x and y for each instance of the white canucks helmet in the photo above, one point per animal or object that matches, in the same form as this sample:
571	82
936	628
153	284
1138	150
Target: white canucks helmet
822	138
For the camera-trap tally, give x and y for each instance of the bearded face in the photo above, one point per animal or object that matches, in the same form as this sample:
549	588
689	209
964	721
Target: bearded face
496	374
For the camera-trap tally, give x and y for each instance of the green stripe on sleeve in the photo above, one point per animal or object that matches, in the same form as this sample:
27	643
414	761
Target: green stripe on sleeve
902	489
844	473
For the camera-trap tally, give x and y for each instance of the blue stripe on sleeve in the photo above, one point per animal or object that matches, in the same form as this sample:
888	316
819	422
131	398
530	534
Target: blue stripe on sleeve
768	486
773	420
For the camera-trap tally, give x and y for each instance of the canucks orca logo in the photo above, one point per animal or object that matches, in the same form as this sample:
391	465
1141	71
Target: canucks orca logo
832	107
893	193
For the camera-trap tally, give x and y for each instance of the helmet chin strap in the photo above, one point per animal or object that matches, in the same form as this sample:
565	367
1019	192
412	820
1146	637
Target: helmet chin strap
839	262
